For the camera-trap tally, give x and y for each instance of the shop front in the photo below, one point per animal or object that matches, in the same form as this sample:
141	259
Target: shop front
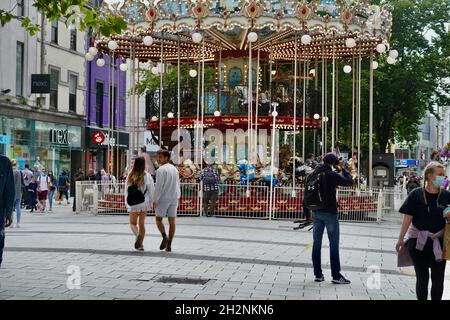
97	141
53	146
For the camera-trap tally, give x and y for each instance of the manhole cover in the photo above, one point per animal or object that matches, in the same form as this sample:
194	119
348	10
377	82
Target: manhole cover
183	280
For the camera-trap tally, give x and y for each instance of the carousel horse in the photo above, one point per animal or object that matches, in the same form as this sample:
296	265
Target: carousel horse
247	171
187	169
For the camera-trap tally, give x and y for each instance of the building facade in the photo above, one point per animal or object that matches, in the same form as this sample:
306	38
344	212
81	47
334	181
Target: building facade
105	105
42	129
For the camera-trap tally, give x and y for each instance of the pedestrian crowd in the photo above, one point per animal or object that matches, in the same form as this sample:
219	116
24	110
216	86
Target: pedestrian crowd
426	210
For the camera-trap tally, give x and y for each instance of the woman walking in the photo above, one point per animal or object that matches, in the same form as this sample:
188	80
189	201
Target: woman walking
51	193
139	190
424	221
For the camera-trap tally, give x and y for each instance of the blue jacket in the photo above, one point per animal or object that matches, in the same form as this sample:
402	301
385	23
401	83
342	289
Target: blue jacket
7	193
332	181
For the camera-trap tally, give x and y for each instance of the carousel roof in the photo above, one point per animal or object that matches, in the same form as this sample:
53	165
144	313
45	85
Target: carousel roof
226	24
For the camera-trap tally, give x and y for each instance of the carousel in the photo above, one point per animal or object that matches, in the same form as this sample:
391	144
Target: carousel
275	66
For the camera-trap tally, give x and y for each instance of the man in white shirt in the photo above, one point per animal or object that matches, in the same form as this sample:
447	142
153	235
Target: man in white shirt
167	193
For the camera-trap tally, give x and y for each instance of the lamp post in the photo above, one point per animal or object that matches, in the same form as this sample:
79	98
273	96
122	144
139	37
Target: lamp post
272	156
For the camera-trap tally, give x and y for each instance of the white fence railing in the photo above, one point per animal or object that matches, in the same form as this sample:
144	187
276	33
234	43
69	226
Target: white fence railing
240	201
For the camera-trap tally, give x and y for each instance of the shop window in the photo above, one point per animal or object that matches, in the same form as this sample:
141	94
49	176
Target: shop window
73	40
19	68
55	31
99	104
73	85
54	82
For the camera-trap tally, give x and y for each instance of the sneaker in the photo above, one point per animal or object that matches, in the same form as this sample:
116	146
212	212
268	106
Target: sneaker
141	248
341	280
319	279
169	246
163	243
138	243
50	210
17	225
12	226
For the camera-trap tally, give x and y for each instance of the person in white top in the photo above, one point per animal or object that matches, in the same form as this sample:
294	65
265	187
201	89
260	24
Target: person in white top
43	182
139	191
167	193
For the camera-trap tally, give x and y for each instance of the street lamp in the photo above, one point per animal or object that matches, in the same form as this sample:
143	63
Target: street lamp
272	155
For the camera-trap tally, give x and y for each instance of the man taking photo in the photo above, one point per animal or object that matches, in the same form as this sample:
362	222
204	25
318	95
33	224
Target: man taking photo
320	197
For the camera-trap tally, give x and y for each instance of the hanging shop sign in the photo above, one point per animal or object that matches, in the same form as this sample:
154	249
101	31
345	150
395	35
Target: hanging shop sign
404	163
40	83
98	137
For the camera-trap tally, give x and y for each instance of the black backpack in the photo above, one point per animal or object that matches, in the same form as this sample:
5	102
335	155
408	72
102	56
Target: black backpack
314	196
135	195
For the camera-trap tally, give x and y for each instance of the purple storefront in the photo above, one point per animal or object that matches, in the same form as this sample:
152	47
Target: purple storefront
100	112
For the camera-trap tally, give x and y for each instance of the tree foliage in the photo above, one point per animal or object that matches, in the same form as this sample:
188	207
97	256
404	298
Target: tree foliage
415	84
76	12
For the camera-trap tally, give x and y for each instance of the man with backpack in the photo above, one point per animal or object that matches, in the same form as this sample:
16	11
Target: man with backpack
210	178
320	198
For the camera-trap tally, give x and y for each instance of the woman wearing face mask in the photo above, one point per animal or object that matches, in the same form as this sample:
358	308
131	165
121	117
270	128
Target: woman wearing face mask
424	221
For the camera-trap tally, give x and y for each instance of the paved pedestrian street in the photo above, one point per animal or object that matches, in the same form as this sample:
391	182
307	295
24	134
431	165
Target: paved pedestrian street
61	255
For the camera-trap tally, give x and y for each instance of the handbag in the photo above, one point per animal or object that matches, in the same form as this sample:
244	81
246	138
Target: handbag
403	257
446	246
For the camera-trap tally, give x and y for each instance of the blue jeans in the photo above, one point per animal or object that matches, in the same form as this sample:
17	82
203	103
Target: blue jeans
51	194
17	208
322	220
2	237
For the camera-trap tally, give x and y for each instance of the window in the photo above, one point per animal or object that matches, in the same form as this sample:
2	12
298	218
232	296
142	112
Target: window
54	81
73	40
19	68
20	8
114	106
55	31
73	84
99	104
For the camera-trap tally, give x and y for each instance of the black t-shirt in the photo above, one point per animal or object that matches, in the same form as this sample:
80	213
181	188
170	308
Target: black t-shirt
425	217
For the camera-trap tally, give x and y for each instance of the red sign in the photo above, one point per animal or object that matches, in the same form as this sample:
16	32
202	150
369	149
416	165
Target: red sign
98	137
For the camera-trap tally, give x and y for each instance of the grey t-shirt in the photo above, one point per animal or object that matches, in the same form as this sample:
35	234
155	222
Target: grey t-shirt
27	175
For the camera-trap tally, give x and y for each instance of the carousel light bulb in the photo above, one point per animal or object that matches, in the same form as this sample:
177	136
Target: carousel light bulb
374	65
381	48
316	116
154	118
123	67
390	60
88	56
170	115
312	72
306	39
274	72
100	62
252	37
112	45
274	113
93	51
155	71
148	40
350	42
347	69
393	54
217	113
192	73
197	37
160	67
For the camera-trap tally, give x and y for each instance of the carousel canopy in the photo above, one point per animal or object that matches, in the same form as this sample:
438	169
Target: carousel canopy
322	28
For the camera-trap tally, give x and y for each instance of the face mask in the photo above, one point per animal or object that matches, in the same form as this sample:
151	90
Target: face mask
439	181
